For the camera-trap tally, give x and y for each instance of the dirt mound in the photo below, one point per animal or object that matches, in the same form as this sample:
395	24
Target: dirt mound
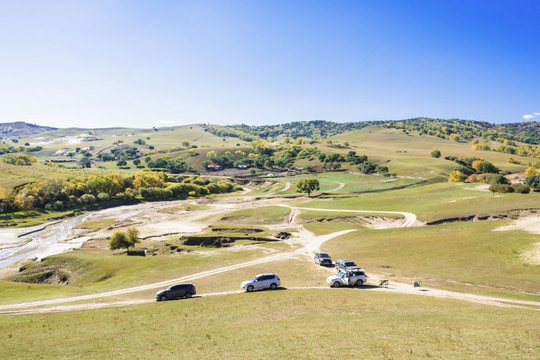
46	274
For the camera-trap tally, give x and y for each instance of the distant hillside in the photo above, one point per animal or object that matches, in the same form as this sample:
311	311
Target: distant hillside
21	128
526	132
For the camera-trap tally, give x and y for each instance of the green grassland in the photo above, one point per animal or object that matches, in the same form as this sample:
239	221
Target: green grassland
465	256
462	256
102	139
295	324
264	215
354	182
409	154
435	202
31	218
102	270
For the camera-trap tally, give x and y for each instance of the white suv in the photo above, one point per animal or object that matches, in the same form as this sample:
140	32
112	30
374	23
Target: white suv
261	281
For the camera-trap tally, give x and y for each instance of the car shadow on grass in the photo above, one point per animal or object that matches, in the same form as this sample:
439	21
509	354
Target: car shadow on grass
364	287
279	288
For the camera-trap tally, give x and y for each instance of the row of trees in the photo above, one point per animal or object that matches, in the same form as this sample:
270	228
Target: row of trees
452	129
7	149
19	159
59	193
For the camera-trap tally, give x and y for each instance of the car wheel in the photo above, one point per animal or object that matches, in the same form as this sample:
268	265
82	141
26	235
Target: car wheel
336	284
250	288
359	283
187	296
163	298
273	286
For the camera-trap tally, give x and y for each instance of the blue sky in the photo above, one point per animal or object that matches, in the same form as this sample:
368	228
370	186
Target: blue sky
154	63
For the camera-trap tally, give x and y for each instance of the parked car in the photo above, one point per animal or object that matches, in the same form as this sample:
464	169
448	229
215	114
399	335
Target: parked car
322	259
346	265
261	281
176	291
347	278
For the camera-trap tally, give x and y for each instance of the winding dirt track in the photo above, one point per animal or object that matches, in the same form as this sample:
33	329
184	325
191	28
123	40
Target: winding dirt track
341	186
309	244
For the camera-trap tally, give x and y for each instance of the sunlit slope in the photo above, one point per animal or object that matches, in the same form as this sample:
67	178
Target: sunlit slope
286	324
409	154
103	139
435	202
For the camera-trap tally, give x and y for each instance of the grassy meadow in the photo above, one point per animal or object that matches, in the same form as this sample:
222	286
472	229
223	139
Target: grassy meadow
464	256
304	319
281	324
435	201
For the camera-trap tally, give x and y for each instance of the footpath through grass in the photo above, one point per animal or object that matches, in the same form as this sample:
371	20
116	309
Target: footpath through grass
282	324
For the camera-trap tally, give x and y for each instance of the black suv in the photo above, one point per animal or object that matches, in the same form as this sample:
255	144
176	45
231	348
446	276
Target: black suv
176	292
345	265
322	259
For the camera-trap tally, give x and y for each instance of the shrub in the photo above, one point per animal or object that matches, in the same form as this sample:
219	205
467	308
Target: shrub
501	188
496	179
521	188
103	197
436	154
473	178
533	182
87	199
119	241
155	193
457	176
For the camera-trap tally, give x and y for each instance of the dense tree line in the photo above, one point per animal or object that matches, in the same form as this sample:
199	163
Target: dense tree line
470	165
9	149
19	159
452	129
60	193
527	132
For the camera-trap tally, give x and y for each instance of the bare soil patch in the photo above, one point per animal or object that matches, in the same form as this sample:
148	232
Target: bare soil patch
531	224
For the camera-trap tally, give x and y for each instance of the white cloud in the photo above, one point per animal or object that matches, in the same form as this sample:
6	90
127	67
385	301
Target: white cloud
531	116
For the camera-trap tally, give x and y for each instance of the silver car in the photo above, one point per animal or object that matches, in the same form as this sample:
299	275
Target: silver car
261	281
348	278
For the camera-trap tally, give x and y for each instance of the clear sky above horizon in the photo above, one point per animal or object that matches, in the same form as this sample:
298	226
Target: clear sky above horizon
107	63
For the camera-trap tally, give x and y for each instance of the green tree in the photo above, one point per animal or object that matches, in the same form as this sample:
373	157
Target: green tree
436	154
119	241
122	240
533	182
307	186
457	176
133	236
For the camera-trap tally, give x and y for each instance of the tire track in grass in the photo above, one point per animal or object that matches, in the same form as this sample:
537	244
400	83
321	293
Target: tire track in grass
311	244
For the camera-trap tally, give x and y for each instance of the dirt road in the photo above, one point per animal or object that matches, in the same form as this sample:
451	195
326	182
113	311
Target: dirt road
309	244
